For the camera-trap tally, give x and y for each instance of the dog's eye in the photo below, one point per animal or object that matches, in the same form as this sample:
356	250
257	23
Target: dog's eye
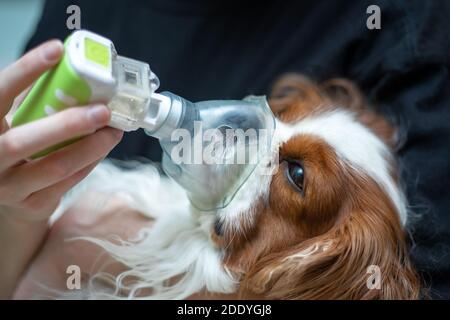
295	175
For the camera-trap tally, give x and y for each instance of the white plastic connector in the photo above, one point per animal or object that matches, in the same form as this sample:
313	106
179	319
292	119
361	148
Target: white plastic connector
163	116
157	113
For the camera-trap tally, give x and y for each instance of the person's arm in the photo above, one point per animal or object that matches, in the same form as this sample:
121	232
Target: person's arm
46	276
31	190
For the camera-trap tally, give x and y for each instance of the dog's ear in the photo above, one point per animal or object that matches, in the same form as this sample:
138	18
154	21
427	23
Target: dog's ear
362	257
294	95
344	93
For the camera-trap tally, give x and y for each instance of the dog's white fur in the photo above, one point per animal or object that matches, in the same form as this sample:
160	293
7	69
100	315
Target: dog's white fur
177	246
176	258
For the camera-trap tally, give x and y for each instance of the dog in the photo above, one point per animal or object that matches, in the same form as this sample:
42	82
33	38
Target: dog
329	223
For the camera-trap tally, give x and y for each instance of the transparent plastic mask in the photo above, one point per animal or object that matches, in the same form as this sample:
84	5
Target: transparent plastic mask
212	185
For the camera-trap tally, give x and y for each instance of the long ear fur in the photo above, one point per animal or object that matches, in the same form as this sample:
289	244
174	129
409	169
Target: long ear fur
339	263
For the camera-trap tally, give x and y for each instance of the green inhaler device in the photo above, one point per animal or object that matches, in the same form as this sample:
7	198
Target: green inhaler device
91	71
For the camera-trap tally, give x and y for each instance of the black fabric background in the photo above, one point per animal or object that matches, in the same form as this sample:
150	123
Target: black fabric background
203	49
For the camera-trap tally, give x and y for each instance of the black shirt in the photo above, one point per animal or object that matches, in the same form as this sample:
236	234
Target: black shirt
203	49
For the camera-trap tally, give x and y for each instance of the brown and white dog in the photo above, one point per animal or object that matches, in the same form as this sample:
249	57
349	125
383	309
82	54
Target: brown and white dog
332	212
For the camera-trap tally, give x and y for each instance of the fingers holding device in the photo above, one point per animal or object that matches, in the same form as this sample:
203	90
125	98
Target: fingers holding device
68	84
25	185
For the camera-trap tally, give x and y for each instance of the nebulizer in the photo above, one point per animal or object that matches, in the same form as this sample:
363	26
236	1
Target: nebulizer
210	148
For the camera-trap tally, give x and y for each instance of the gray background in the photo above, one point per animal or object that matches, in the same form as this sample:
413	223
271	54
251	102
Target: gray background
18	19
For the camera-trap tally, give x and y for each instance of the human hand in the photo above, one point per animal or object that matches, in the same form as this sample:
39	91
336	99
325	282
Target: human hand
31	190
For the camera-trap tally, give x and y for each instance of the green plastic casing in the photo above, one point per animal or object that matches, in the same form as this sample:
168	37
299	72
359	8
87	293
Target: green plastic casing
43	100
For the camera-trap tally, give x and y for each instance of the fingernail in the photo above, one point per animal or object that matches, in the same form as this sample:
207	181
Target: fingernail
52	51
99	115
